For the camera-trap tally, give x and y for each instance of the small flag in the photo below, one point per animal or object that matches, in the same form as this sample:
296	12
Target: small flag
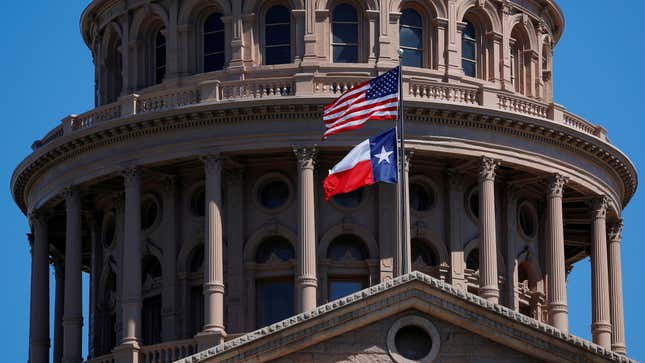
371	161
377	99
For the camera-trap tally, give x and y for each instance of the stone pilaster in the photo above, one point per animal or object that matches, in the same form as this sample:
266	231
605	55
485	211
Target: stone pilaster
59	303
306	264
488	286
616	290
601	319
73	313
557	284
39	299
455	202
512	263
213	332
128	351
235	251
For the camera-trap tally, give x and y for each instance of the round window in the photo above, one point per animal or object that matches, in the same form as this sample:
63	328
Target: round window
349	200
198	202
149	212
421	197
413	338
412	342
273	194
527	220
109	229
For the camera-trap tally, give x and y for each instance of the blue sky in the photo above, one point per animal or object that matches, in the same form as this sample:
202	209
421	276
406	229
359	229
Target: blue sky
598	74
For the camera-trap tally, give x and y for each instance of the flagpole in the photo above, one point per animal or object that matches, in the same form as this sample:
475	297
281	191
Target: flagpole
405	252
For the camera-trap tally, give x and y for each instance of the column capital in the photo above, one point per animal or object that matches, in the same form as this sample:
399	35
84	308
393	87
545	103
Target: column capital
487	168
615	231
71	195
305	156
599	207
212	163
556	185
131	176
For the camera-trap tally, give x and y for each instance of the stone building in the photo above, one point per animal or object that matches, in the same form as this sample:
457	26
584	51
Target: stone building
192	193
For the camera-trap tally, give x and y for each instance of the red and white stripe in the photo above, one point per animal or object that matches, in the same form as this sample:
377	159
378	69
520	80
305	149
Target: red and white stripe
354	171
351	110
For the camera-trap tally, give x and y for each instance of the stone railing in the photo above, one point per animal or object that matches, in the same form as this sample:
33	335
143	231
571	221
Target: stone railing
167	352
522	105
416	88
168	99
108	358
257	88
443	92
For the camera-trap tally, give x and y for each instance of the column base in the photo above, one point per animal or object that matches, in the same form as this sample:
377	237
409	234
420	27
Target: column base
127	352
209	339
601	332
619	348
559	316
490	294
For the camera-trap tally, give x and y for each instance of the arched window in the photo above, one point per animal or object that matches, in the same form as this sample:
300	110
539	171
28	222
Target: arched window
520	61
113	71
347	271
469	50
213	40
423	254
344	29
274	288
160	56
277	36
196	262
411	38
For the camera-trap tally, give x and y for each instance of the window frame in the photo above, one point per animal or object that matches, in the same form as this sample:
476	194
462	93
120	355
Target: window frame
156	67
263	31
359	32
201	34
474	41
425	48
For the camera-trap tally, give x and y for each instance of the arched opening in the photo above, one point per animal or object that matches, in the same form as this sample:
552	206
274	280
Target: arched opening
277	35
345	34
213	43
275	257
346	266
424	257
411	38
112	70
196	303
151	307
520	61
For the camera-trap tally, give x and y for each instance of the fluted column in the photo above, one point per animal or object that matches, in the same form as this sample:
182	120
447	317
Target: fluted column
58	312
73	313
39	299
213	331
131	278
488	287
557	284
306	270
616	290
601	323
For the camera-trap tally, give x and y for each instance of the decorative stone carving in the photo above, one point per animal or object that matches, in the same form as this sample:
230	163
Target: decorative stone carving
615	231
212	163
131	176
487	168
556	185
306	156
599	207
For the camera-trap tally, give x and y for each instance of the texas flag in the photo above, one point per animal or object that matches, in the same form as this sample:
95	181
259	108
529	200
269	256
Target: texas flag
371	161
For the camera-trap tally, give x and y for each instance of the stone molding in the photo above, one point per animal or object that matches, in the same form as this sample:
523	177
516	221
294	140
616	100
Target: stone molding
520	326
615	231
70	148
556	185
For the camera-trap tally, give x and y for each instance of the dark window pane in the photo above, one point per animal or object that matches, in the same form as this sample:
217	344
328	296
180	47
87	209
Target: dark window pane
345	33
412	58
278	55
213	62
278	34
421	252
345	53
276	301
151	320
160	73
344	12
213	23
413	342
197	258
469	31
411	17
274	246
338	289
410	37
277	14
213	43
347	247
468	50
469	68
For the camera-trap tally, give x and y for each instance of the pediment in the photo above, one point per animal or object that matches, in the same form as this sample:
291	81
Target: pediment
454	312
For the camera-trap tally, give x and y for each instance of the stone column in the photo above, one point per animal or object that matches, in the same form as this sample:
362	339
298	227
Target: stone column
131	269
488	286
306	264
557	283
455	203
235	252
601	320
39	299
58	311
372	35
213	332
73	309
616	290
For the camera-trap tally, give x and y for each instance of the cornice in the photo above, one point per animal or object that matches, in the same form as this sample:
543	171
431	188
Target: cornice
121	130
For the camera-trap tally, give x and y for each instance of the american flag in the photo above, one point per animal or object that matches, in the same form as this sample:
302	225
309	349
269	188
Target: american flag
377	99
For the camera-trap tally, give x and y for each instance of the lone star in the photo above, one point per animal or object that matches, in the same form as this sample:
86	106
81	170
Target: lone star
384	155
